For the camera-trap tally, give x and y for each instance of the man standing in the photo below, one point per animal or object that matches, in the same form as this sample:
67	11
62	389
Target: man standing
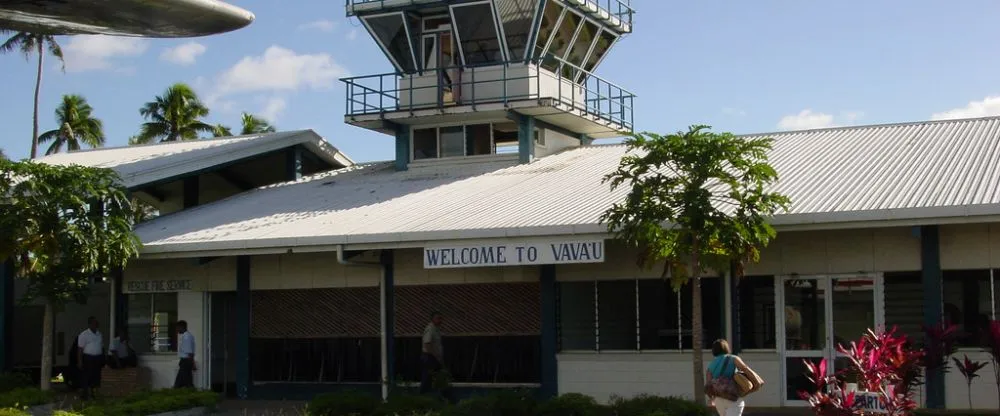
432	358
90	358
185	352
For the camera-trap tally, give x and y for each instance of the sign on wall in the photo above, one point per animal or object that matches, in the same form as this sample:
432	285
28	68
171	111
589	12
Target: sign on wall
869	402
145	286
504	253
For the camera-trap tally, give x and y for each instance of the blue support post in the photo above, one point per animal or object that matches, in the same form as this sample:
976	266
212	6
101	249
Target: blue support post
549	366
930	265
121	300
526	138
242	327
6	313
390	318
736	343
293	163
402	147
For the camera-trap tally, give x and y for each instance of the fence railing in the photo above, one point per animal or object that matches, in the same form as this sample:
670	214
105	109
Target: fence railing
622	9
562	82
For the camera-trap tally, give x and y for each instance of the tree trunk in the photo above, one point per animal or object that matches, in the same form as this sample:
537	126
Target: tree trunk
696	326
47	323
38	89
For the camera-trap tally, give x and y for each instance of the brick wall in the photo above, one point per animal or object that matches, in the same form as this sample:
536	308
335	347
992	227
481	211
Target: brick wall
125	381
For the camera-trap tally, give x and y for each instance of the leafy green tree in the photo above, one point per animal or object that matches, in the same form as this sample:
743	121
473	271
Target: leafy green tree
695	199
33	44
3	156
77	126
64	225
251	124
176	115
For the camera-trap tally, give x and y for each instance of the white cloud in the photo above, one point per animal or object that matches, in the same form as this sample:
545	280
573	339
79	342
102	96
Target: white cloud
989	106
729	111
273	108
279	69
353	34
320	25
96	52
183	54
805	119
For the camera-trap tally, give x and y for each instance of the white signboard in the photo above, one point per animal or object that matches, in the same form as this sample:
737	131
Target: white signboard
869	402
140	286
507	253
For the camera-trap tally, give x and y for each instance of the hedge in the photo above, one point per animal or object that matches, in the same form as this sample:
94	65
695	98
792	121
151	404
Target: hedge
148	403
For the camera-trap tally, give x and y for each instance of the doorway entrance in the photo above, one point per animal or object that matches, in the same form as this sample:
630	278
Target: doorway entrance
438	53
821	312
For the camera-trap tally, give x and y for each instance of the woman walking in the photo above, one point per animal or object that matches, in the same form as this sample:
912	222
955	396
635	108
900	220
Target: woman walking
729	380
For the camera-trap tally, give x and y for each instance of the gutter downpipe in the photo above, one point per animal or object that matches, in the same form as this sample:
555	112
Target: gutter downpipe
383	316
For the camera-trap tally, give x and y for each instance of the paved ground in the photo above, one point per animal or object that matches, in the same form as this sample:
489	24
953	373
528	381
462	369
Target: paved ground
260	408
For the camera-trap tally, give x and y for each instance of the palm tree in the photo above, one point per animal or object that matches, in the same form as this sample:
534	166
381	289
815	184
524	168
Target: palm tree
220	130
256	125
76	126
28	44
175	115
251	125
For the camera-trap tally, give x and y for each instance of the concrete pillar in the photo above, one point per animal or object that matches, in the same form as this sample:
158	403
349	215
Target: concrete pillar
930	265
402	147
549	364
242	308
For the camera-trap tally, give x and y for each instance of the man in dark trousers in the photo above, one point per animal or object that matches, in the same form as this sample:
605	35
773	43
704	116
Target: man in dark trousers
185	352
432	356
90	358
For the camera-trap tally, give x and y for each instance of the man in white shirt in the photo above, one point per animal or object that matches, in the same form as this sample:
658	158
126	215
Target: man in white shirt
185	352
90	358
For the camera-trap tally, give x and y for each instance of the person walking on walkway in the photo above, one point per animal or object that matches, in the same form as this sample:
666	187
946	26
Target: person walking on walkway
722	388
432	356
90	358
185	353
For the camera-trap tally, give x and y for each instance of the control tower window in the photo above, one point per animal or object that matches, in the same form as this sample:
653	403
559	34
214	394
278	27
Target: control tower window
601	47
562	39
550	18
478	35
516	17
392	33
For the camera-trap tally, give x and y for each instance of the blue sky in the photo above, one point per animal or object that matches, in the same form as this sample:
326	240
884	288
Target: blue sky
740	66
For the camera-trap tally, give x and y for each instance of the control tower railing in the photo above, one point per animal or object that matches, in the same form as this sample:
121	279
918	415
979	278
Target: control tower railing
568	86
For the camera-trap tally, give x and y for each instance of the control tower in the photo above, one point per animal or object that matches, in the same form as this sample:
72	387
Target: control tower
490	78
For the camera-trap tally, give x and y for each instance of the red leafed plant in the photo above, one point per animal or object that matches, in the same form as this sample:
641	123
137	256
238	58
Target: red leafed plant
884	367
992	346
969	370
940	342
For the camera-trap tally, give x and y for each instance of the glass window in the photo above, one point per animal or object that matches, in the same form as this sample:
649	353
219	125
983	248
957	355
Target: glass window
616	314
477	34
904	304
582	43
452	141
424	144
505	137
604	41
516	16
392	35
477	140
756	313
805	315
576	316
968	303
151	319
561	40
550	18
436	23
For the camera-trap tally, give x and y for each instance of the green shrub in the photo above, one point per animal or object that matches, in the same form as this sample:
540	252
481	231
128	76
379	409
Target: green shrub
501	403
644	405
65	413
573	404
408	405
147	403
25	397
13	381
658	413
345	403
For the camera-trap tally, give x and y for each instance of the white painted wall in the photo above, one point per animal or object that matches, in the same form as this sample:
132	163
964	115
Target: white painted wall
523	82
555	142
984	388
163	367
627	374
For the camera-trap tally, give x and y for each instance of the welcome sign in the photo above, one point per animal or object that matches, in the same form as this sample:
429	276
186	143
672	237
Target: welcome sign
514	254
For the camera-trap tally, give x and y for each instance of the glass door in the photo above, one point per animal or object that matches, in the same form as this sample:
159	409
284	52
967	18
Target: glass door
821	312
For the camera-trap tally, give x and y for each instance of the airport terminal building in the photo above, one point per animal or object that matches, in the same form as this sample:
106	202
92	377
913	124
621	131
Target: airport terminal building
300	271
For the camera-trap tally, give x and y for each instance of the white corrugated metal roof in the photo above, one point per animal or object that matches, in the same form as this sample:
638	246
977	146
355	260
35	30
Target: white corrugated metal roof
139	165
924	171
